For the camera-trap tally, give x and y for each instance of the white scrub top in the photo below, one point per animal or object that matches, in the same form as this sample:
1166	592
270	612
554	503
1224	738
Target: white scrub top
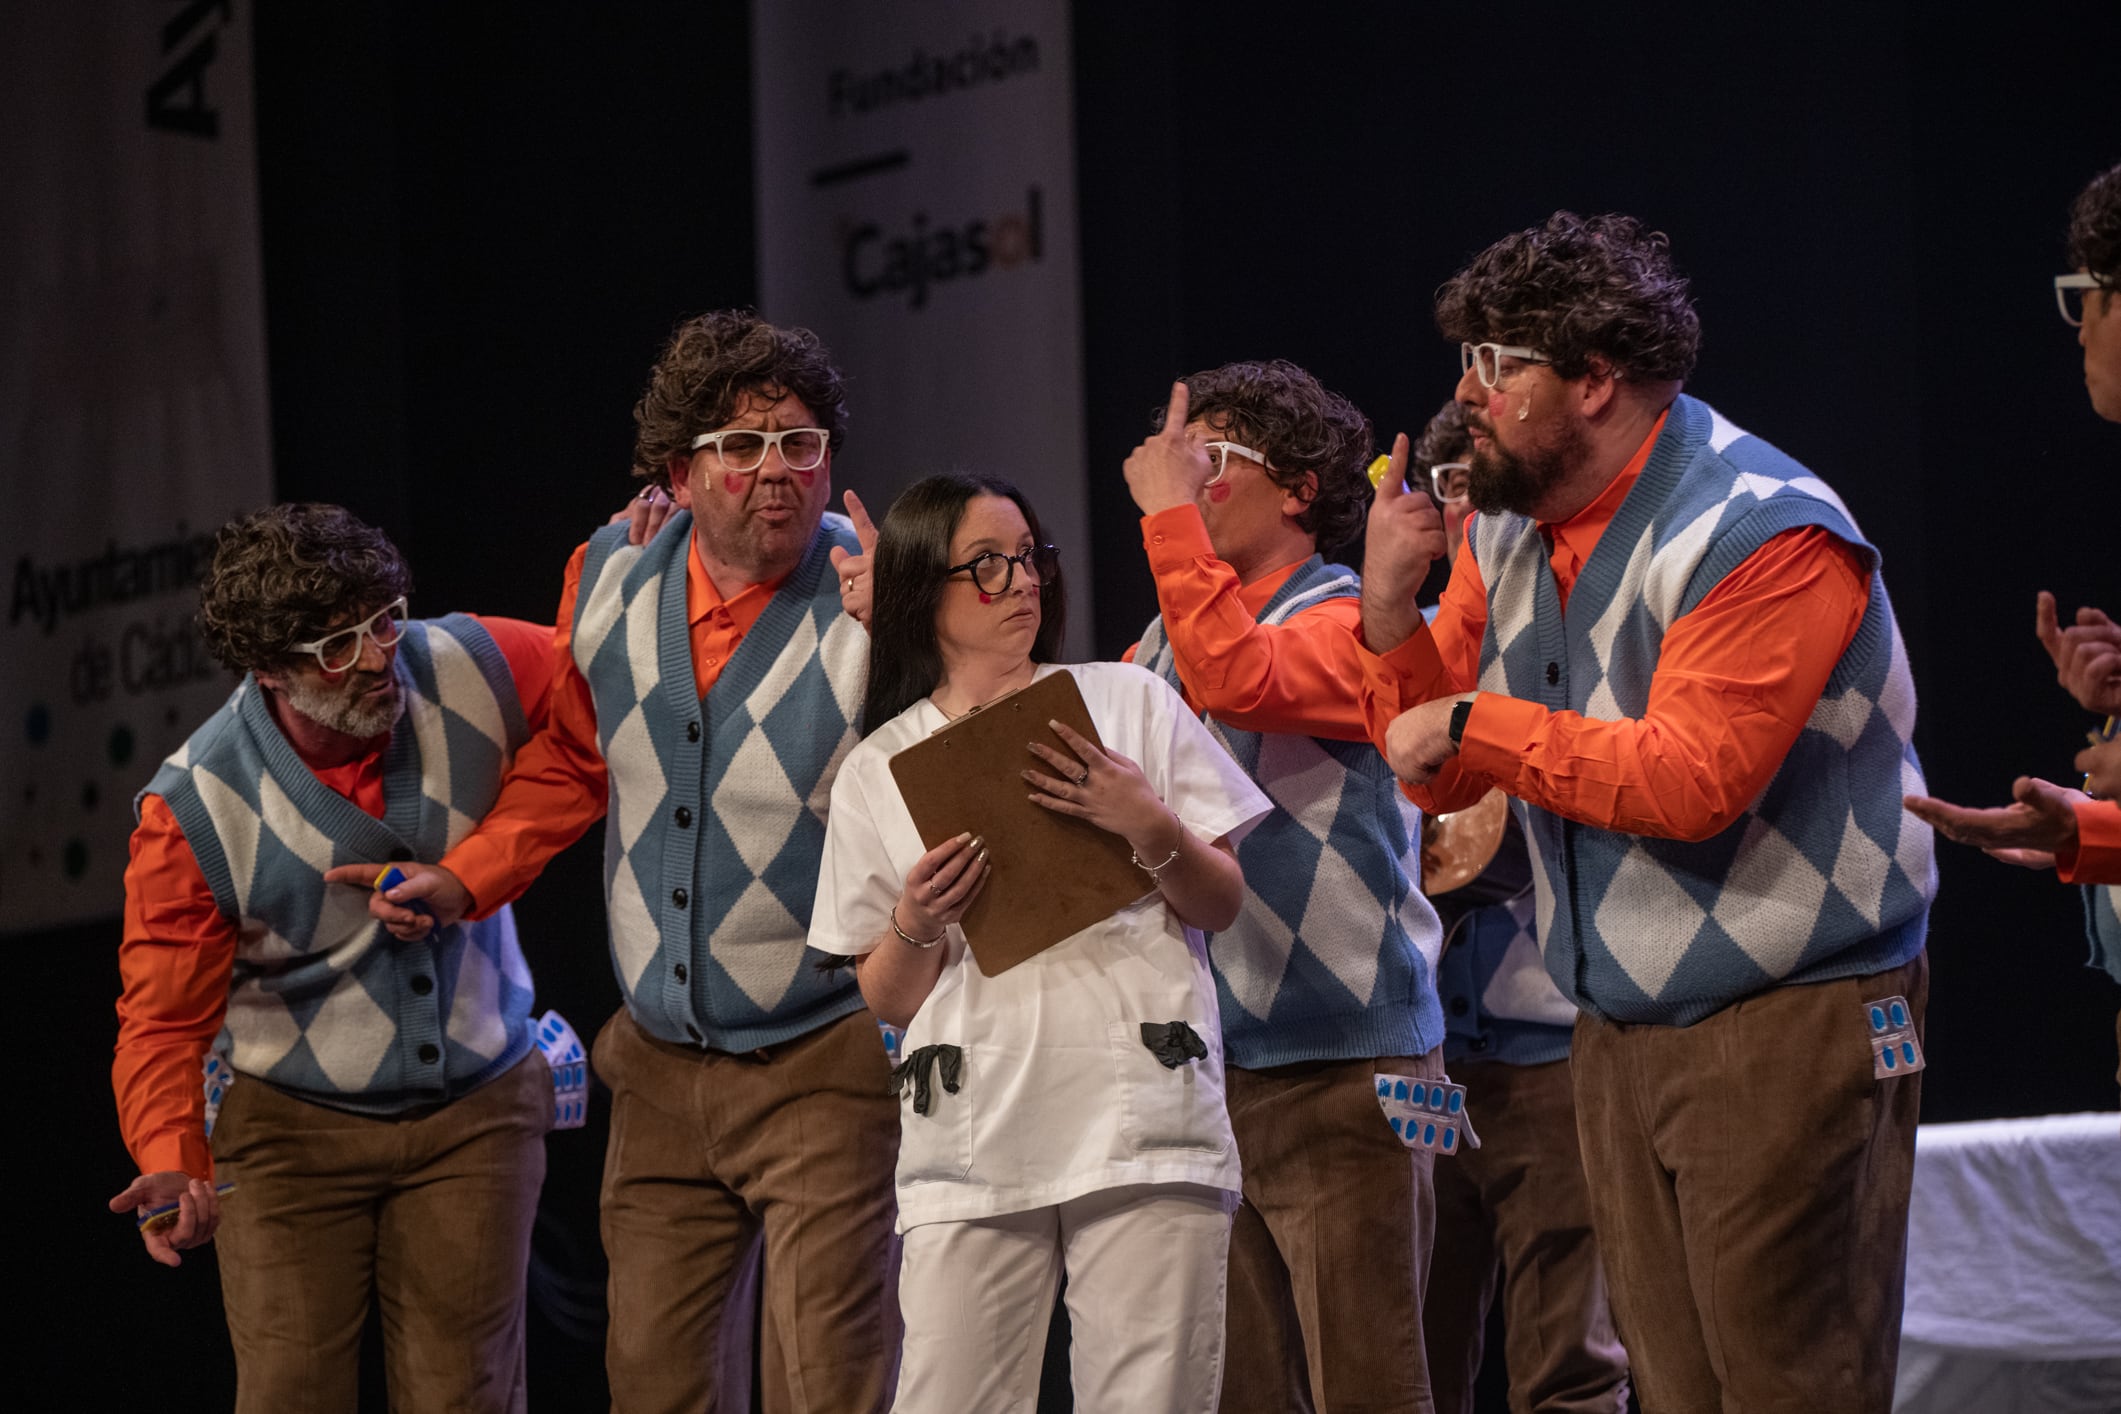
1059	1095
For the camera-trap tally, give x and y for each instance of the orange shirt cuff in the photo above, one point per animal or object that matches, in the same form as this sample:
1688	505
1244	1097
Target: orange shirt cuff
184	1153
483	866
1499	732
2097	859
1175	537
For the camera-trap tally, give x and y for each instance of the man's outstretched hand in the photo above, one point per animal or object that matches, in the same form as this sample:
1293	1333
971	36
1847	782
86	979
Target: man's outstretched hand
2039	823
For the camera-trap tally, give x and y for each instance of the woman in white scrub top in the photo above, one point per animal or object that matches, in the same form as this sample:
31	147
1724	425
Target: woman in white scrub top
1066	1116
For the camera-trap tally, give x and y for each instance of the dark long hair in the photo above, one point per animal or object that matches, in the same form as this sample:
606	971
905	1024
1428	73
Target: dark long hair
912	554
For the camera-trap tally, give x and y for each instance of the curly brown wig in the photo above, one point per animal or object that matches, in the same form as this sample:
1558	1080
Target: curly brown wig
2095	229
1445	439
290	573
1575	288
1301	426
712	364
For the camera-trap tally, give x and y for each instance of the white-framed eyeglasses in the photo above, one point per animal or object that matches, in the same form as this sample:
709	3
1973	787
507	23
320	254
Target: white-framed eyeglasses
340	649
1487	359
744	448
1450	480
2070	293
1219	453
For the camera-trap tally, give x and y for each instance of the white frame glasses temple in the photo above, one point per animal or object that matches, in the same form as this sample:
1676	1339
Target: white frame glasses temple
1220	451
2078	281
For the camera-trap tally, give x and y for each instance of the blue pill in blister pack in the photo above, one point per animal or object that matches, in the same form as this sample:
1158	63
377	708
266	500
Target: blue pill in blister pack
1895	1049
1417	1110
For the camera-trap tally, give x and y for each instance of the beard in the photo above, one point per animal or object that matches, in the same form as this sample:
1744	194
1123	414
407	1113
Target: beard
1501	480
347	708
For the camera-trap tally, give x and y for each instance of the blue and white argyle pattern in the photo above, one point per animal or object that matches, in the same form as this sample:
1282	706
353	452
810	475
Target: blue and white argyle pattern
1495	990
717	806
1333	954
323	1002
1825	875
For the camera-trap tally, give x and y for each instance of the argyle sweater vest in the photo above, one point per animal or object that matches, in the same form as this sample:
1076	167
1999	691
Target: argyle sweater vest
1330	957
323	1003
2102	923
1824	875
1499	1004
717	804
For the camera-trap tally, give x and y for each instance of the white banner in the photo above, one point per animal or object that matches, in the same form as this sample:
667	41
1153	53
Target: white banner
132	413
916	207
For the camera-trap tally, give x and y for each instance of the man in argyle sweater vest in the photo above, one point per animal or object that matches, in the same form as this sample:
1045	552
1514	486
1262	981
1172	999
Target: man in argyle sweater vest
1327	978
1669	642
707	693
385	1122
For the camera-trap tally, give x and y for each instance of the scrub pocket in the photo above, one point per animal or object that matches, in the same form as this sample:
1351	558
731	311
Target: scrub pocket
1168	1107
935	1146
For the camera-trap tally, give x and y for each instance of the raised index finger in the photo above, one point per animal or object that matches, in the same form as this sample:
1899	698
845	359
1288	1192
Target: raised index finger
1175	411
864	528
2044	626
1393	484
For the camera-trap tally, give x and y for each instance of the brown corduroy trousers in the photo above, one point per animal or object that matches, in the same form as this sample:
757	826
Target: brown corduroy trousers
708	1149
427	1214
1749	1185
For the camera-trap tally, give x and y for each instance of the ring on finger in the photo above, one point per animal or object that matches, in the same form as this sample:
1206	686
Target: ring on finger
1083	779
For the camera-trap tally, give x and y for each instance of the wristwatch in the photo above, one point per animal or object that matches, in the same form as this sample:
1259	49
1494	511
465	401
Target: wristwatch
1459	714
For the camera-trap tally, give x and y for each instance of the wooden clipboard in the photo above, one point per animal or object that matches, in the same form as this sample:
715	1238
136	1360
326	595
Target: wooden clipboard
1053	875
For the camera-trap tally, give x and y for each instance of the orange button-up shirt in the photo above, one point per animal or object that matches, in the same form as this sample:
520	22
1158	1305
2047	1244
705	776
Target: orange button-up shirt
1736	679
178	949
556	789
1303	677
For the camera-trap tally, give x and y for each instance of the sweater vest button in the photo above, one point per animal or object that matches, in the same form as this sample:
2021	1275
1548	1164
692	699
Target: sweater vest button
683	817
692	731
429	1053
679	972
422	984
1459	1006
1480	1044
680	897
1553	674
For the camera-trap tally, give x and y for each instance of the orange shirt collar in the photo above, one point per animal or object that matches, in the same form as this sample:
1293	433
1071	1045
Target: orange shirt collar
1254	596
1580	532
702	598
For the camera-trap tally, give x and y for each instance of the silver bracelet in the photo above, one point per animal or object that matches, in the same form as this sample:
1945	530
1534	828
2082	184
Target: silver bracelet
1154	870
908	937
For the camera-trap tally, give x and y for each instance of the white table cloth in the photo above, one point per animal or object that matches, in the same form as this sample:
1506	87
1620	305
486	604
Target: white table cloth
2014	1267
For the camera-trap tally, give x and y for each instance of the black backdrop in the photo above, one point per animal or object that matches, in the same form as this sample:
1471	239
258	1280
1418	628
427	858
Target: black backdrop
479	222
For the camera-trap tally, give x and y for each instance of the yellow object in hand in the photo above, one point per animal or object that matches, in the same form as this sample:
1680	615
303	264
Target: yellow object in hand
1378	469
